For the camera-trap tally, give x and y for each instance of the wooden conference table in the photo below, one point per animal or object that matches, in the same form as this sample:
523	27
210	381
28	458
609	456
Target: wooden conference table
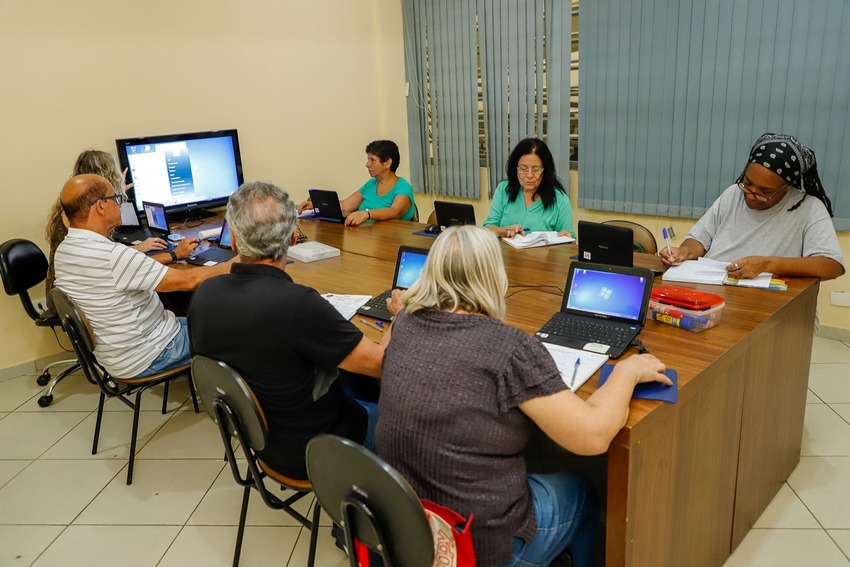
685	481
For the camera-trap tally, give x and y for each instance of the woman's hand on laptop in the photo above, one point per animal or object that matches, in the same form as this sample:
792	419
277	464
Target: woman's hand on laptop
308	204
394	302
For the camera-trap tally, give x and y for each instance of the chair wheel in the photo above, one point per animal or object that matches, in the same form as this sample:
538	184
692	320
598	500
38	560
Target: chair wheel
45	400
43	379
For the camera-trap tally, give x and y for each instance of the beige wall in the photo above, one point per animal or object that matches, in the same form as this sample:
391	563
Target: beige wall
308	85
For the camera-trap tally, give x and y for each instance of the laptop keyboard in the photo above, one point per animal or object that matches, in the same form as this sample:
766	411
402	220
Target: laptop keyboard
588	330
217	255
379	301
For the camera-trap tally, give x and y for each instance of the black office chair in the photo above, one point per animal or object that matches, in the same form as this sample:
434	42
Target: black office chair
232	405
23	266
371	501
644	240
82	339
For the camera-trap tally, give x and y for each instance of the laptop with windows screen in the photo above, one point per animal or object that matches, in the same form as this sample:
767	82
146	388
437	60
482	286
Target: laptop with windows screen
215	254
452	214
605	244
408	266
326	206
603	310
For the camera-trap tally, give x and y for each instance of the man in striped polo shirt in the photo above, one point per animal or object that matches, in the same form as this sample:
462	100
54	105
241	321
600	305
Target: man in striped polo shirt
115	286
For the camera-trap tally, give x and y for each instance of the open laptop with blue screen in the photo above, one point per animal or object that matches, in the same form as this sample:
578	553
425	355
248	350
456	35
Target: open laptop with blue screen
408	266
603	310
215	254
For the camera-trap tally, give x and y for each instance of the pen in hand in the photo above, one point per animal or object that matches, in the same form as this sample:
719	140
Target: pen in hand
378	325
575	372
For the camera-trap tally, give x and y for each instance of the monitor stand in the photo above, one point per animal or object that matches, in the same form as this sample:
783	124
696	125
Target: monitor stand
189	216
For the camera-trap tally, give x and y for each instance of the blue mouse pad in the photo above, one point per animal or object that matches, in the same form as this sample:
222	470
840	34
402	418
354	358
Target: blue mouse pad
423	233
649	390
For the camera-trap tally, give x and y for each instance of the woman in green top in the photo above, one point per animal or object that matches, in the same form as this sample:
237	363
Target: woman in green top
385	196
532	197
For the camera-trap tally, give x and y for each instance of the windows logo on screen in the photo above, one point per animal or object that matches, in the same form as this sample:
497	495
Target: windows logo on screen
605	292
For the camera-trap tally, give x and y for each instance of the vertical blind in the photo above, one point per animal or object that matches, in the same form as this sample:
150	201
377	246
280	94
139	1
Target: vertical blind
521	48
673	94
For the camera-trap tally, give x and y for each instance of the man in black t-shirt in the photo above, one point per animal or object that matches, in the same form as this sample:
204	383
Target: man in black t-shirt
283	338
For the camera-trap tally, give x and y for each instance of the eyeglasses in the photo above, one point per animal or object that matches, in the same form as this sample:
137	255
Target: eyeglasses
119	199
759	197
523	170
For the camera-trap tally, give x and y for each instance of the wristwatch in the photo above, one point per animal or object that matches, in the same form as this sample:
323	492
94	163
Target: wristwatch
368	214
173	255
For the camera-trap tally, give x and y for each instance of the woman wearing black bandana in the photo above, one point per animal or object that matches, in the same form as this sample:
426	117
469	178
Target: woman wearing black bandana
775	219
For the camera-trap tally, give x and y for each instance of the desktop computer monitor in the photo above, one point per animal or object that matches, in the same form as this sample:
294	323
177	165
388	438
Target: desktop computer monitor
186	172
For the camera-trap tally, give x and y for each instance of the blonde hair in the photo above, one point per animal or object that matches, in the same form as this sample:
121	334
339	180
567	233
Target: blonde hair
464	271
100	163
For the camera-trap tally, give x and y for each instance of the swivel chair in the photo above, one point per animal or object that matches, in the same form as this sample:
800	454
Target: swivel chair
233	407
83	341
22	266
371	501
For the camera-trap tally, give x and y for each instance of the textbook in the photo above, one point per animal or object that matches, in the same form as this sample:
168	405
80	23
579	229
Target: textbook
535	239
706	271
312	251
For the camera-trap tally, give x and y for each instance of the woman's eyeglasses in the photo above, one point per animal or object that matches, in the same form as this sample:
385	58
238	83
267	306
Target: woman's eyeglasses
759	196
523	170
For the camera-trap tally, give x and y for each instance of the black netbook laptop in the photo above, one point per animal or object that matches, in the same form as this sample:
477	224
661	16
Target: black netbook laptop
452	214
408	266
326	206
157	227
605	244
215	254
603	310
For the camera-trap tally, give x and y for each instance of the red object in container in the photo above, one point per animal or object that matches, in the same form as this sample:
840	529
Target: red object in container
684	297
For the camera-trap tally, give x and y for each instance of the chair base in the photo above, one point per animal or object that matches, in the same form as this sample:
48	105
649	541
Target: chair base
44	379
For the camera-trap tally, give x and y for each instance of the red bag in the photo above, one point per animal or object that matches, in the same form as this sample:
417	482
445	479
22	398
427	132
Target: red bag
452	538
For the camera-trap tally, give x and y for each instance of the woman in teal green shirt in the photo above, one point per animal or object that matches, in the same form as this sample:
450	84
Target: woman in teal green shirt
532	197
385	196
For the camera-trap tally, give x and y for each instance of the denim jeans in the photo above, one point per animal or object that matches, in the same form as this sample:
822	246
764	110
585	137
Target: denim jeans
567	512
372	417
175	353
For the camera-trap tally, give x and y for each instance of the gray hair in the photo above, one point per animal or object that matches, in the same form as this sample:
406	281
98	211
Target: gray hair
262	218
464	270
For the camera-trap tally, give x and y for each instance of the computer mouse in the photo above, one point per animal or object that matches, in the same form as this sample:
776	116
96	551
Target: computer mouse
433	229
175	237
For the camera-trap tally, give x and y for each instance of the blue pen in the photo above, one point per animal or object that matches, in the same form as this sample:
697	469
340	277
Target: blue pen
667	241
380	324
526	229
575	371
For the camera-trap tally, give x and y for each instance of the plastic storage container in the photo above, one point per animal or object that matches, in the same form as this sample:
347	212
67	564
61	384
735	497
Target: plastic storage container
689	319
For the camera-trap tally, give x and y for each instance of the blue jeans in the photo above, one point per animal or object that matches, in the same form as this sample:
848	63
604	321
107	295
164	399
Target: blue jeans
175	353
567	513
372	420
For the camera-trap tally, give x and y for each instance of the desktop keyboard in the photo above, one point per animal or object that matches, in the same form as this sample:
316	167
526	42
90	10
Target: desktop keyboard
588	330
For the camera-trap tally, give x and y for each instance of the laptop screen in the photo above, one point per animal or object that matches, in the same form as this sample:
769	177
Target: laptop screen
224	239
155	215
409	266
614	294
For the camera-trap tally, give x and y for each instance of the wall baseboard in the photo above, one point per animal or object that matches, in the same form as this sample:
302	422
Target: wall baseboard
834	333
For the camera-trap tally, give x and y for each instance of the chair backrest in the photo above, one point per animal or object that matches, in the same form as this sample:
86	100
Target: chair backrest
365	494
227	398
415	213
79	330
432	218
22	266
644	239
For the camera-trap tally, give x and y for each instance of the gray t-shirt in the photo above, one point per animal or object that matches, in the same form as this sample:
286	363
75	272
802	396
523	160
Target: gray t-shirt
449	419
730	230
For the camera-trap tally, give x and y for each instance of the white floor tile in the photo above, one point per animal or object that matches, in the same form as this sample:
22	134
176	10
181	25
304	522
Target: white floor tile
9	469
14	392
842	538
825	433
26	435
20	545
822	484
787	548
829	351
843	410
73	393
127	546
786	511
187	435
830	382
213	546
114	441
222	503
327	553
163	492
54	492
811	398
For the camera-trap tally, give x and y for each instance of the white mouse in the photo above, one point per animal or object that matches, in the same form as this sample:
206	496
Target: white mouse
175	237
